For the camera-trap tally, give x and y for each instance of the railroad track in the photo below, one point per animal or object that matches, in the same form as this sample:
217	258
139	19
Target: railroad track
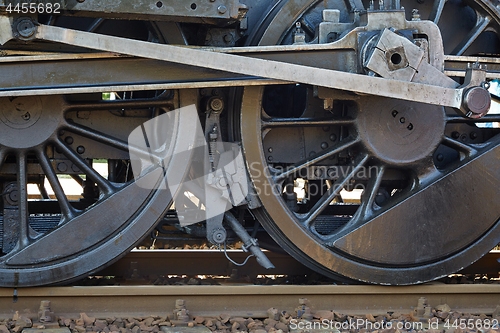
252	301
233	299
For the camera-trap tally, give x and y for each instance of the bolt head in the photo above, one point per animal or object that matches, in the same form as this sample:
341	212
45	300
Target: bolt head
14	195
62	167
222	9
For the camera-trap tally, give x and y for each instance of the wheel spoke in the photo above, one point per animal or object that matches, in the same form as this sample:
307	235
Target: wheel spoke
101	182
365	210
304	122
78	179
22	188
95	25
333	191
96	136
462	147
42	189
67	210
482	23
111	141
437	10
324	155
3	155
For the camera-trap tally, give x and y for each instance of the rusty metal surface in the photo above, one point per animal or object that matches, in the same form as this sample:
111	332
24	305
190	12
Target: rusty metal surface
246	300
213	262
197	262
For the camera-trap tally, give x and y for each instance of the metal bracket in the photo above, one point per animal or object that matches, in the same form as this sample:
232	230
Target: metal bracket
397	58
227	181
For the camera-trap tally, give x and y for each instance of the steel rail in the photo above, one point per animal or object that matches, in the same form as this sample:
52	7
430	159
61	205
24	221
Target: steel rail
249	301
145	263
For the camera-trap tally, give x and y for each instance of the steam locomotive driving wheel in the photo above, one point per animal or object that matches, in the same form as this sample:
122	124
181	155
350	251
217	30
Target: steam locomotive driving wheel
375	189
81	216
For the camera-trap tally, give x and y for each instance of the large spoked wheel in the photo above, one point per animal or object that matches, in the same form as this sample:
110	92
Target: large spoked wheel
71	204
375	189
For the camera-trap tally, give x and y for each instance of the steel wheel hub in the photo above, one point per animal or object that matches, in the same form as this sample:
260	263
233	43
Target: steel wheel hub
400	133
34	119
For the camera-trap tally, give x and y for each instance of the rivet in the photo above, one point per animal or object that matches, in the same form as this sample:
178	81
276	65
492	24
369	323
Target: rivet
222	9
318	173
62	167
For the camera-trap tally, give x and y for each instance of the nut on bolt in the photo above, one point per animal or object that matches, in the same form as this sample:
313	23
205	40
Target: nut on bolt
216	104
476	102
24	28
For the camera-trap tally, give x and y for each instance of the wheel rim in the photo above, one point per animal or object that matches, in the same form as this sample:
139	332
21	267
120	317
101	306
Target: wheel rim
57	238
356	243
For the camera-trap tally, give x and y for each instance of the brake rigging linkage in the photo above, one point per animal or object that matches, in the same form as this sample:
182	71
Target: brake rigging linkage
226	186
249	243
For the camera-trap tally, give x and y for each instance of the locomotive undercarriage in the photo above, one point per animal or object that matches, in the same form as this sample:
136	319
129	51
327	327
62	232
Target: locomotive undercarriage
364	129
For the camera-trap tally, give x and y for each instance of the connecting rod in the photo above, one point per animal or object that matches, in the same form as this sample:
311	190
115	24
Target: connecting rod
260	68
